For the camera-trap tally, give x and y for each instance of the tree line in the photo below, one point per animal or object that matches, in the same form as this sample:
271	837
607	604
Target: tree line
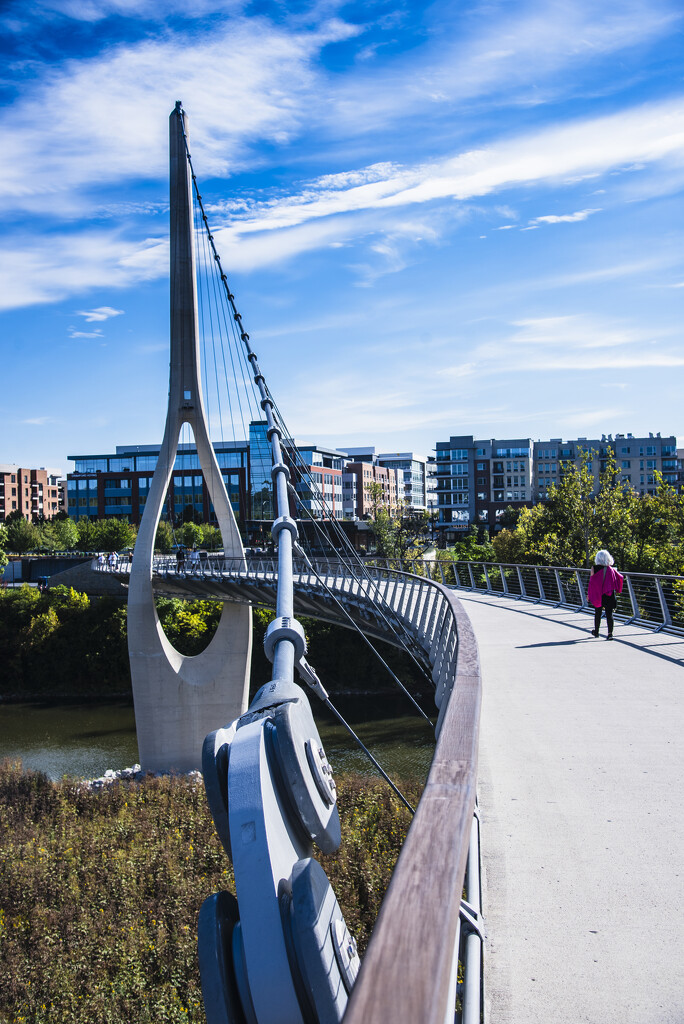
644	533
19	535
60	643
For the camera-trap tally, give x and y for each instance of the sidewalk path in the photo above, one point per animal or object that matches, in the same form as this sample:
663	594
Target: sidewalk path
582	800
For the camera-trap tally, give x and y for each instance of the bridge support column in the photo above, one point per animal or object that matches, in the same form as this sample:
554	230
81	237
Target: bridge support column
179	699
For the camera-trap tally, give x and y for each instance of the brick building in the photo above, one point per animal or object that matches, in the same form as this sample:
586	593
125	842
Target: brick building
35	493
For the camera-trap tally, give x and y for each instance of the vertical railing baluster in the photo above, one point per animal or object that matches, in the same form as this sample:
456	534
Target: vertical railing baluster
523	591
667	618
561	594
542	596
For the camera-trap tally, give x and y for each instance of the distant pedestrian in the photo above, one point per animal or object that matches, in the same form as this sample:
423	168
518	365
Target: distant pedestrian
180	560
111	559
101	560
604	583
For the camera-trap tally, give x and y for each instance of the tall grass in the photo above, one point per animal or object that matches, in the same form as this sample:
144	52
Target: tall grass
100	892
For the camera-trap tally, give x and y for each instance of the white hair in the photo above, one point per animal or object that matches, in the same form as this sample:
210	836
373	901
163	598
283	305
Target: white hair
604	557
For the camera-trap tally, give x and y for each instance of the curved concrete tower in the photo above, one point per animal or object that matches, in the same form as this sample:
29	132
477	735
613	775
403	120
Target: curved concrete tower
178	700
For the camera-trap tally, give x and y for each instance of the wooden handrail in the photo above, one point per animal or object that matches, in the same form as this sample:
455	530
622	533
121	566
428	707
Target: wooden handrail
406	975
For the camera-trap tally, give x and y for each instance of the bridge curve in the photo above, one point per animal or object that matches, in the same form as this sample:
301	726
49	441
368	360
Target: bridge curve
580	782
409	970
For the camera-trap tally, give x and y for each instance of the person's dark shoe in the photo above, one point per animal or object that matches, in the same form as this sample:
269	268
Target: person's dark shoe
609	637
594	632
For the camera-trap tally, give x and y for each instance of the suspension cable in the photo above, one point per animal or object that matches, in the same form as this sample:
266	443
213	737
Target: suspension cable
275	429
270	407
331	593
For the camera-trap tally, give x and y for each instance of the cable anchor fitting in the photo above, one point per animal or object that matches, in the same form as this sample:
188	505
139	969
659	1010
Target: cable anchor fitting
285	628
284	523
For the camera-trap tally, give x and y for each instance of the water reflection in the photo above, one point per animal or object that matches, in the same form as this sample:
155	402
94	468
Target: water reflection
73	739
84	740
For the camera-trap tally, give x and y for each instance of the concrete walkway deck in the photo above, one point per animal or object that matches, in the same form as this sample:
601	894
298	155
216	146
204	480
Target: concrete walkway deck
582	800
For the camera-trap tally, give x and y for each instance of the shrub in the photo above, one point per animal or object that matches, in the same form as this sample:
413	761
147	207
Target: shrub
100	892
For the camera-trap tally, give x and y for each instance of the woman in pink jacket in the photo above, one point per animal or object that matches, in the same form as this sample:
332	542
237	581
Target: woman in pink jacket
604	583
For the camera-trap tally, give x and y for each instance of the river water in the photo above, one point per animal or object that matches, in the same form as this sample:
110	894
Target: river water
83	740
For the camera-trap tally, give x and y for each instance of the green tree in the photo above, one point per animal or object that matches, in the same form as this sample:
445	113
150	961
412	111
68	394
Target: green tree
402	532
60	534
644	533
87	534
113	535
470	549
212	539
191	535
3	544
22	536
163	540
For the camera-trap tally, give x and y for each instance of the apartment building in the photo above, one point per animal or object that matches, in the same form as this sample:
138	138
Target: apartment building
319	480
414	481
477	480
360	472
637	458
35	493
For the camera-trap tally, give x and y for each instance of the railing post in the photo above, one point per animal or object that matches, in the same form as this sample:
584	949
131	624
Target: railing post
504	581
632	599
561	593
667	618
523	592
489	582
580	589
472	578
542	595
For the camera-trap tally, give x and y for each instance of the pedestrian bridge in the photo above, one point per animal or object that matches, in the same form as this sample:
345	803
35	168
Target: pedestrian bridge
581	770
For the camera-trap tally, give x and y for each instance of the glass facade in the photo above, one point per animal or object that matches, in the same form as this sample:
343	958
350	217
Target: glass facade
260	484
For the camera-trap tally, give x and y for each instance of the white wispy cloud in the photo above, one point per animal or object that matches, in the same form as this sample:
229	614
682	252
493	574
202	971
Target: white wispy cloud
36	272
519	54
564	218
280	229
653	133
101	313
104	119
73	333
574	342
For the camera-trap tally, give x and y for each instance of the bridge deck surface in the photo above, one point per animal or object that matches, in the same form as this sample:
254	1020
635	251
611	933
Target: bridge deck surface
582	799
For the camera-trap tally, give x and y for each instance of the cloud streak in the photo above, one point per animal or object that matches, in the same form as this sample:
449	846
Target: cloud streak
101	313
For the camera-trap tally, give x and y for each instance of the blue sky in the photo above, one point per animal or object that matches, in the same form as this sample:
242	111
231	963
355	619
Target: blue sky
437	218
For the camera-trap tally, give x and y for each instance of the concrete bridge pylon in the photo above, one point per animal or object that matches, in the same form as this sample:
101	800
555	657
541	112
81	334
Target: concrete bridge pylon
179	699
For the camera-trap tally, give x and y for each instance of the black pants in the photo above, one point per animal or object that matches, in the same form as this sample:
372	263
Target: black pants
608	601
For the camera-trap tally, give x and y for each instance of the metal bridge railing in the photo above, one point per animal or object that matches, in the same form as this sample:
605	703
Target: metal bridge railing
410	969
654	601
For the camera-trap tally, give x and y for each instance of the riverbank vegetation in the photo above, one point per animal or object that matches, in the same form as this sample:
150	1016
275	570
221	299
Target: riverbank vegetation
100	892
60	643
